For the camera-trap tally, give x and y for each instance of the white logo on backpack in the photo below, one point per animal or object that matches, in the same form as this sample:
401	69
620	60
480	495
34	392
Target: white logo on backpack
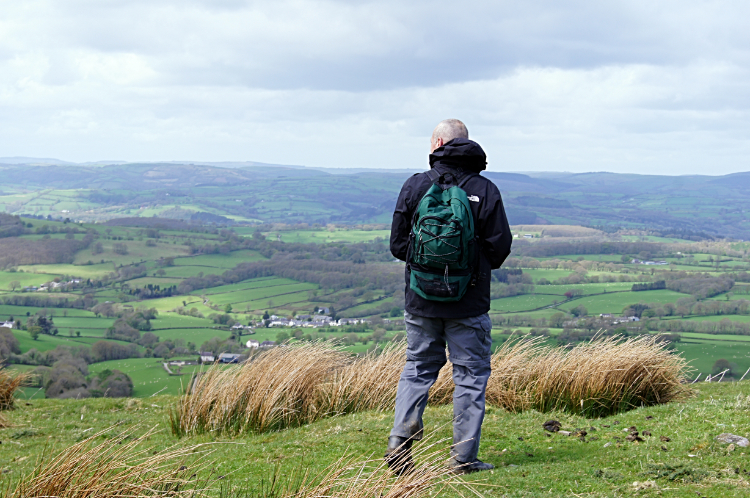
473	198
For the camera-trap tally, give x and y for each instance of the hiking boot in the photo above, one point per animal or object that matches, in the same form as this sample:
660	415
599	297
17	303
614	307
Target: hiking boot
398	455
459	468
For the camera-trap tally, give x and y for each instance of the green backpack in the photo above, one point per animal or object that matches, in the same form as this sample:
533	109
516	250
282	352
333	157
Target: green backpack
443	253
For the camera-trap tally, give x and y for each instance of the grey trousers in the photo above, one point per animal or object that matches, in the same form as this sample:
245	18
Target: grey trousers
469	345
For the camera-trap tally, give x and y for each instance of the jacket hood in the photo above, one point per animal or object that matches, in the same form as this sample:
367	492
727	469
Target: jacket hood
460	153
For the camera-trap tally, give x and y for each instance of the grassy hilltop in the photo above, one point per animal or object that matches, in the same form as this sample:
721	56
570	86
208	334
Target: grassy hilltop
529	461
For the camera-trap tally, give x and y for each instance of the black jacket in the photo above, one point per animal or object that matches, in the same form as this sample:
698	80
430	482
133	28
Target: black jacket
491	225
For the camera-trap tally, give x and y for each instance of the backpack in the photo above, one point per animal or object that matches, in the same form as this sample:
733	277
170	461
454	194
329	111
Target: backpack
443	254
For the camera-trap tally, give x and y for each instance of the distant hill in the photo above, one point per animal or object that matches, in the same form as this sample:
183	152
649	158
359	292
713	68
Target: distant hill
686	206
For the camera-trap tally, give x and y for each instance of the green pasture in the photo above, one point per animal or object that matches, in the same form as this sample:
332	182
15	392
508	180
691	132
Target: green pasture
195	335
540	273
586	289
48	342
168	320
81	271
523	303
253	283
138	252
616	302
715	337
256	294
604	258
274	302
365	306
24	279
87	325
170	303
326	236
148	375
219	261
711	318
21	311
141	282
704	353
183	272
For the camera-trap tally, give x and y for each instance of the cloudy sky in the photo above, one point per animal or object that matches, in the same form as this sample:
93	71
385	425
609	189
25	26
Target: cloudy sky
626	86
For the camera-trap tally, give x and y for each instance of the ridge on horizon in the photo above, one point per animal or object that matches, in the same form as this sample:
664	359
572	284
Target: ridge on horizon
39	161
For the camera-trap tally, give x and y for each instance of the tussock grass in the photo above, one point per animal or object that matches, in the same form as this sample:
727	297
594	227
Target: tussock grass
113	468
9	384
595	379
279	389
298	384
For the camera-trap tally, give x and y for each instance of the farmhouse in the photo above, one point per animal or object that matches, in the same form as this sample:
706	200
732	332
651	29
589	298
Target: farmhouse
204	357
252	344
8	325
229	358
267	344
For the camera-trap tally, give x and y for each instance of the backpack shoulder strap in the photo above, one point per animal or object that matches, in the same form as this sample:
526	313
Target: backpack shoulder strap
465	177
433	175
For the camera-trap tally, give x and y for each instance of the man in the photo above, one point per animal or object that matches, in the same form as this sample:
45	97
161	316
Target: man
463	325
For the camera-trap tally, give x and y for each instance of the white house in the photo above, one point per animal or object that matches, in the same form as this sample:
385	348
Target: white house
8	324
252	344
206	357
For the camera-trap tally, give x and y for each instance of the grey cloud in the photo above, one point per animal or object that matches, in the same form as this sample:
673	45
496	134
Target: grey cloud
361	46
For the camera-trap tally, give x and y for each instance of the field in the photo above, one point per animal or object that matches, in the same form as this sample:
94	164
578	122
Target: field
166	257
529	461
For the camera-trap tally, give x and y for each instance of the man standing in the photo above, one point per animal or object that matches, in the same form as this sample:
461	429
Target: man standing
458	320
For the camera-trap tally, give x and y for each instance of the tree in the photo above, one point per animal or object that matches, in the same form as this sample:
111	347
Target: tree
721	365
15	285
120	248
34	332
228	308
579	310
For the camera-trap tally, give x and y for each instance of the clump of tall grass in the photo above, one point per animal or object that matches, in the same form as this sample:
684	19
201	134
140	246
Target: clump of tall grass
112	468
298	384
9	384
596	378
278	389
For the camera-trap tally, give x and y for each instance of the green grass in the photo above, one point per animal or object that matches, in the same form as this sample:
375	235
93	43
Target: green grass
83	271
276	292
255	283
615	302
219	260
326	236
585	288
704	353
148	375
528	461
523	303
48	342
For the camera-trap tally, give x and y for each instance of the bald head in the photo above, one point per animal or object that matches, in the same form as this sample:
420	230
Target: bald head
447	130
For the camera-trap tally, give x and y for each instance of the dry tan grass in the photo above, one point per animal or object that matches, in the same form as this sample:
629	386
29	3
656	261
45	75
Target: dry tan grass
279	389
9	384
112	468
299	384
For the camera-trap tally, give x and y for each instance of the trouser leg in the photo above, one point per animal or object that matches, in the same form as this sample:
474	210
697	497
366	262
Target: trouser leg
469	343
411	398
468	410
425	356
